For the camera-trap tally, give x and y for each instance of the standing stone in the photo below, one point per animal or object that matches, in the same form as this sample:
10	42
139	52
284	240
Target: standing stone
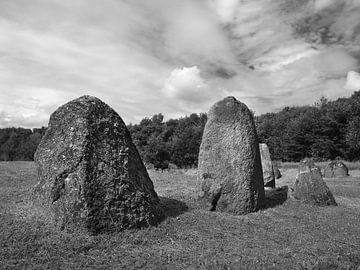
90	173
230	171
267	166
336	168
277	172
310	187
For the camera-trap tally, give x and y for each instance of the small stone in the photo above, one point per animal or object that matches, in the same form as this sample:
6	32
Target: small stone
309	186
336	168
277	172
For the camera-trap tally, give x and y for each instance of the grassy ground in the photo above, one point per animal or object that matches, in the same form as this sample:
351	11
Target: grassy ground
286	236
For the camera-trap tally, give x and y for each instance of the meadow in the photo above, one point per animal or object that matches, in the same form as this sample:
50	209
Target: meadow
285	235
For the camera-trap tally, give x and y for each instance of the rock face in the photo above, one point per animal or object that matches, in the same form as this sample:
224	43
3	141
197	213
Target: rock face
309	186
267	166
336	168
90	173
230	173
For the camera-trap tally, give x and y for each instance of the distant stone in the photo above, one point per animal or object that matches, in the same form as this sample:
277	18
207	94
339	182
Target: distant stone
277	172
90	173
336	168
173	166
308	162
309	186
229	172
267	166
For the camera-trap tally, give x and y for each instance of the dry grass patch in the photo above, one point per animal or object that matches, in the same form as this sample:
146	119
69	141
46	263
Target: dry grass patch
287	236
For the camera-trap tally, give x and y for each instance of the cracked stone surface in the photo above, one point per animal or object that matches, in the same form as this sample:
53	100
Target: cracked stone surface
230	174
90	173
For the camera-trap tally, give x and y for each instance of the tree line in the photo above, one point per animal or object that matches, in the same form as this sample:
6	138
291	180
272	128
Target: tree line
19	143
324	130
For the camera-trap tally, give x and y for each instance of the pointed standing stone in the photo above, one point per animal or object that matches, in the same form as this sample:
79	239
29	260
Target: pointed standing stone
310	187
230	171
90	173
336	168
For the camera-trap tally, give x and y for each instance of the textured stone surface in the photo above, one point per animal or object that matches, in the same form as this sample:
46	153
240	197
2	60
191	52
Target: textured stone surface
310	187
90	173
230	173
267	166
336	168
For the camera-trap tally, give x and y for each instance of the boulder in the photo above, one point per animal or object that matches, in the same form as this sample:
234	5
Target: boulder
309	186
229	167
90	173
336	168
267	166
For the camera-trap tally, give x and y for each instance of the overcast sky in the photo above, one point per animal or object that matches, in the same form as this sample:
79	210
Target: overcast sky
174	57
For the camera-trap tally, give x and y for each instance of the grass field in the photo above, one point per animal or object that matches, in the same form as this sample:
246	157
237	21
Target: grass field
290	235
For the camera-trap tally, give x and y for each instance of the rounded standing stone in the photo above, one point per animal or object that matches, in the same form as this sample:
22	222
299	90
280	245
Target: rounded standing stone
90	173
230	171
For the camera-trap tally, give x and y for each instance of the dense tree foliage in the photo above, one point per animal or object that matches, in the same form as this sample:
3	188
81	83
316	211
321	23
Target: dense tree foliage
325	130
175	141
19	143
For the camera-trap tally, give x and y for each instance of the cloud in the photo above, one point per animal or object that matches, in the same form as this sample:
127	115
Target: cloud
174	57
352	81
284	55
186	85
322	4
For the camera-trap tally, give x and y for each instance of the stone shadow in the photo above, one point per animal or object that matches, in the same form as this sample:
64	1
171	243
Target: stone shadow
171	207
275	196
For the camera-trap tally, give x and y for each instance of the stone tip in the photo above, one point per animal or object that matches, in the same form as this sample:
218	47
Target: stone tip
230	98
87	97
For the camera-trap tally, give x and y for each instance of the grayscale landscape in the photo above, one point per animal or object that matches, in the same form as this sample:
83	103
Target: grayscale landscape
192	134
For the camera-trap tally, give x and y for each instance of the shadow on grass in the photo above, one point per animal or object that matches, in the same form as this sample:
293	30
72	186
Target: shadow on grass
276	196
172	207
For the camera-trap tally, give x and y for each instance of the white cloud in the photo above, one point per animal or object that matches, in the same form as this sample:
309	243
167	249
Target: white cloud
125	52
322	4
186	84
352	81
284	55
225	9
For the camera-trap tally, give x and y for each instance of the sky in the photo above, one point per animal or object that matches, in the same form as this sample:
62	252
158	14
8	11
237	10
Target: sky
174	57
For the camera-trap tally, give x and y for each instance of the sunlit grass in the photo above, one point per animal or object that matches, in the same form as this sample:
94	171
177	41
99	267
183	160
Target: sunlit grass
288	236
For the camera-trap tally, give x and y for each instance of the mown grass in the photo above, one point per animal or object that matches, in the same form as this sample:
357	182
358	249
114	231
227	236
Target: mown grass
286	236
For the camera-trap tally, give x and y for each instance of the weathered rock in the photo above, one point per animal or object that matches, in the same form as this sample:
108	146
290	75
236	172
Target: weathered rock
267	166
336	168
277	172
90	173
230	173
310	187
